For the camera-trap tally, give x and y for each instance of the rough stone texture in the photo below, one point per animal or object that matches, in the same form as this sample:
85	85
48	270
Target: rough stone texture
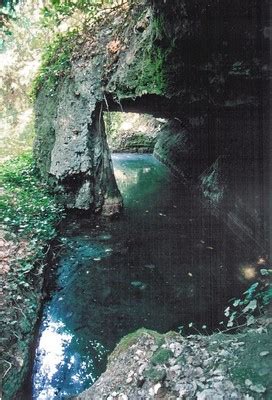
164	58
234	194
71	148
146	365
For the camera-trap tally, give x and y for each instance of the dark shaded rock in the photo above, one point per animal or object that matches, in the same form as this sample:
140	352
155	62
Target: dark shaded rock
233	185
170	60
185	146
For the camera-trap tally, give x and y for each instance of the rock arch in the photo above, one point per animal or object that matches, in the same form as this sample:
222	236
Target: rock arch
162	59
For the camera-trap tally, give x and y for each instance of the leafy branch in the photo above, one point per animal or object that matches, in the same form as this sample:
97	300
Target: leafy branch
243	311
58	10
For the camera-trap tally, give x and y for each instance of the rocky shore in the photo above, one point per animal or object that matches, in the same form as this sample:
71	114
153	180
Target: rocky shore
147	365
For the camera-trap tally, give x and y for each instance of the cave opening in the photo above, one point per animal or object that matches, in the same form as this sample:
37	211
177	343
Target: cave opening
132	132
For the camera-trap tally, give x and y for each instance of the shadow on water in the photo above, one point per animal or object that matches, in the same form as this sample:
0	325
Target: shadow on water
164	263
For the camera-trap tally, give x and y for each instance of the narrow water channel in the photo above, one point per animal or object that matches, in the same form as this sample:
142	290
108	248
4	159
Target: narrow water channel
166	262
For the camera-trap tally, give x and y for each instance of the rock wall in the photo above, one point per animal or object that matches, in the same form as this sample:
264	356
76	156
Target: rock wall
169	59
221	156
71	148
236	195
189	145
234	185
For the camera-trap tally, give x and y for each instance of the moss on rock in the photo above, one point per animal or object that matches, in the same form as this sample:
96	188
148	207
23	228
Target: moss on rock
161	356
132	338
154	374
56	63
147	364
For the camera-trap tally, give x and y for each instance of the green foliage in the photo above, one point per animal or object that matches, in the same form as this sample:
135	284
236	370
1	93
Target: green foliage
56	62
58	10
254	301
29	214
155	375
147	74
153	71
158	27
129	340
154	67
113	121
26	207
161	356
7	11
21	41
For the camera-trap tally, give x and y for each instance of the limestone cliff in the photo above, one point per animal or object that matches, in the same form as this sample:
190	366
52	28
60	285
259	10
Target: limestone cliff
71	148
187	61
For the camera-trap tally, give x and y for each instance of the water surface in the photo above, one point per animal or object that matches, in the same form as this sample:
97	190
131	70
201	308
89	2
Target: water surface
165	263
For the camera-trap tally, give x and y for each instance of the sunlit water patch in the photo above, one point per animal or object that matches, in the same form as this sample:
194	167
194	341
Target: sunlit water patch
62	369
165	263
64	363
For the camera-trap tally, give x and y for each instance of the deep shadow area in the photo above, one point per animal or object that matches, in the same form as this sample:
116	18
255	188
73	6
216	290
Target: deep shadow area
165	263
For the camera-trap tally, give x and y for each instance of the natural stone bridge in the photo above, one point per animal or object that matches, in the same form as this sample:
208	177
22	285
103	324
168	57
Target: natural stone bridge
163	58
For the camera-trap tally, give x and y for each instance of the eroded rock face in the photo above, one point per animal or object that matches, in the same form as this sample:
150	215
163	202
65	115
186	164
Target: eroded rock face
71	147
163	58
220	156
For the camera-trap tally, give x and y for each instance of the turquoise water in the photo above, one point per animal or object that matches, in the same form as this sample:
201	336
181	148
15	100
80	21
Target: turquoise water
165	263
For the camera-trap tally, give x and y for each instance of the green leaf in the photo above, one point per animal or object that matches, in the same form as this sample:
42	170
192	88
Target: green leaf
252	305
264	272
231	319
227	312
251	289
236	302
250	320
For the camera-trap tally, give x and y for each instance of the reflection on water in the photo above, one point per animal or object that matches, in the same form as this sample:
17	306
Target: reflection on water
52	345
65	364
61	367
165	263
